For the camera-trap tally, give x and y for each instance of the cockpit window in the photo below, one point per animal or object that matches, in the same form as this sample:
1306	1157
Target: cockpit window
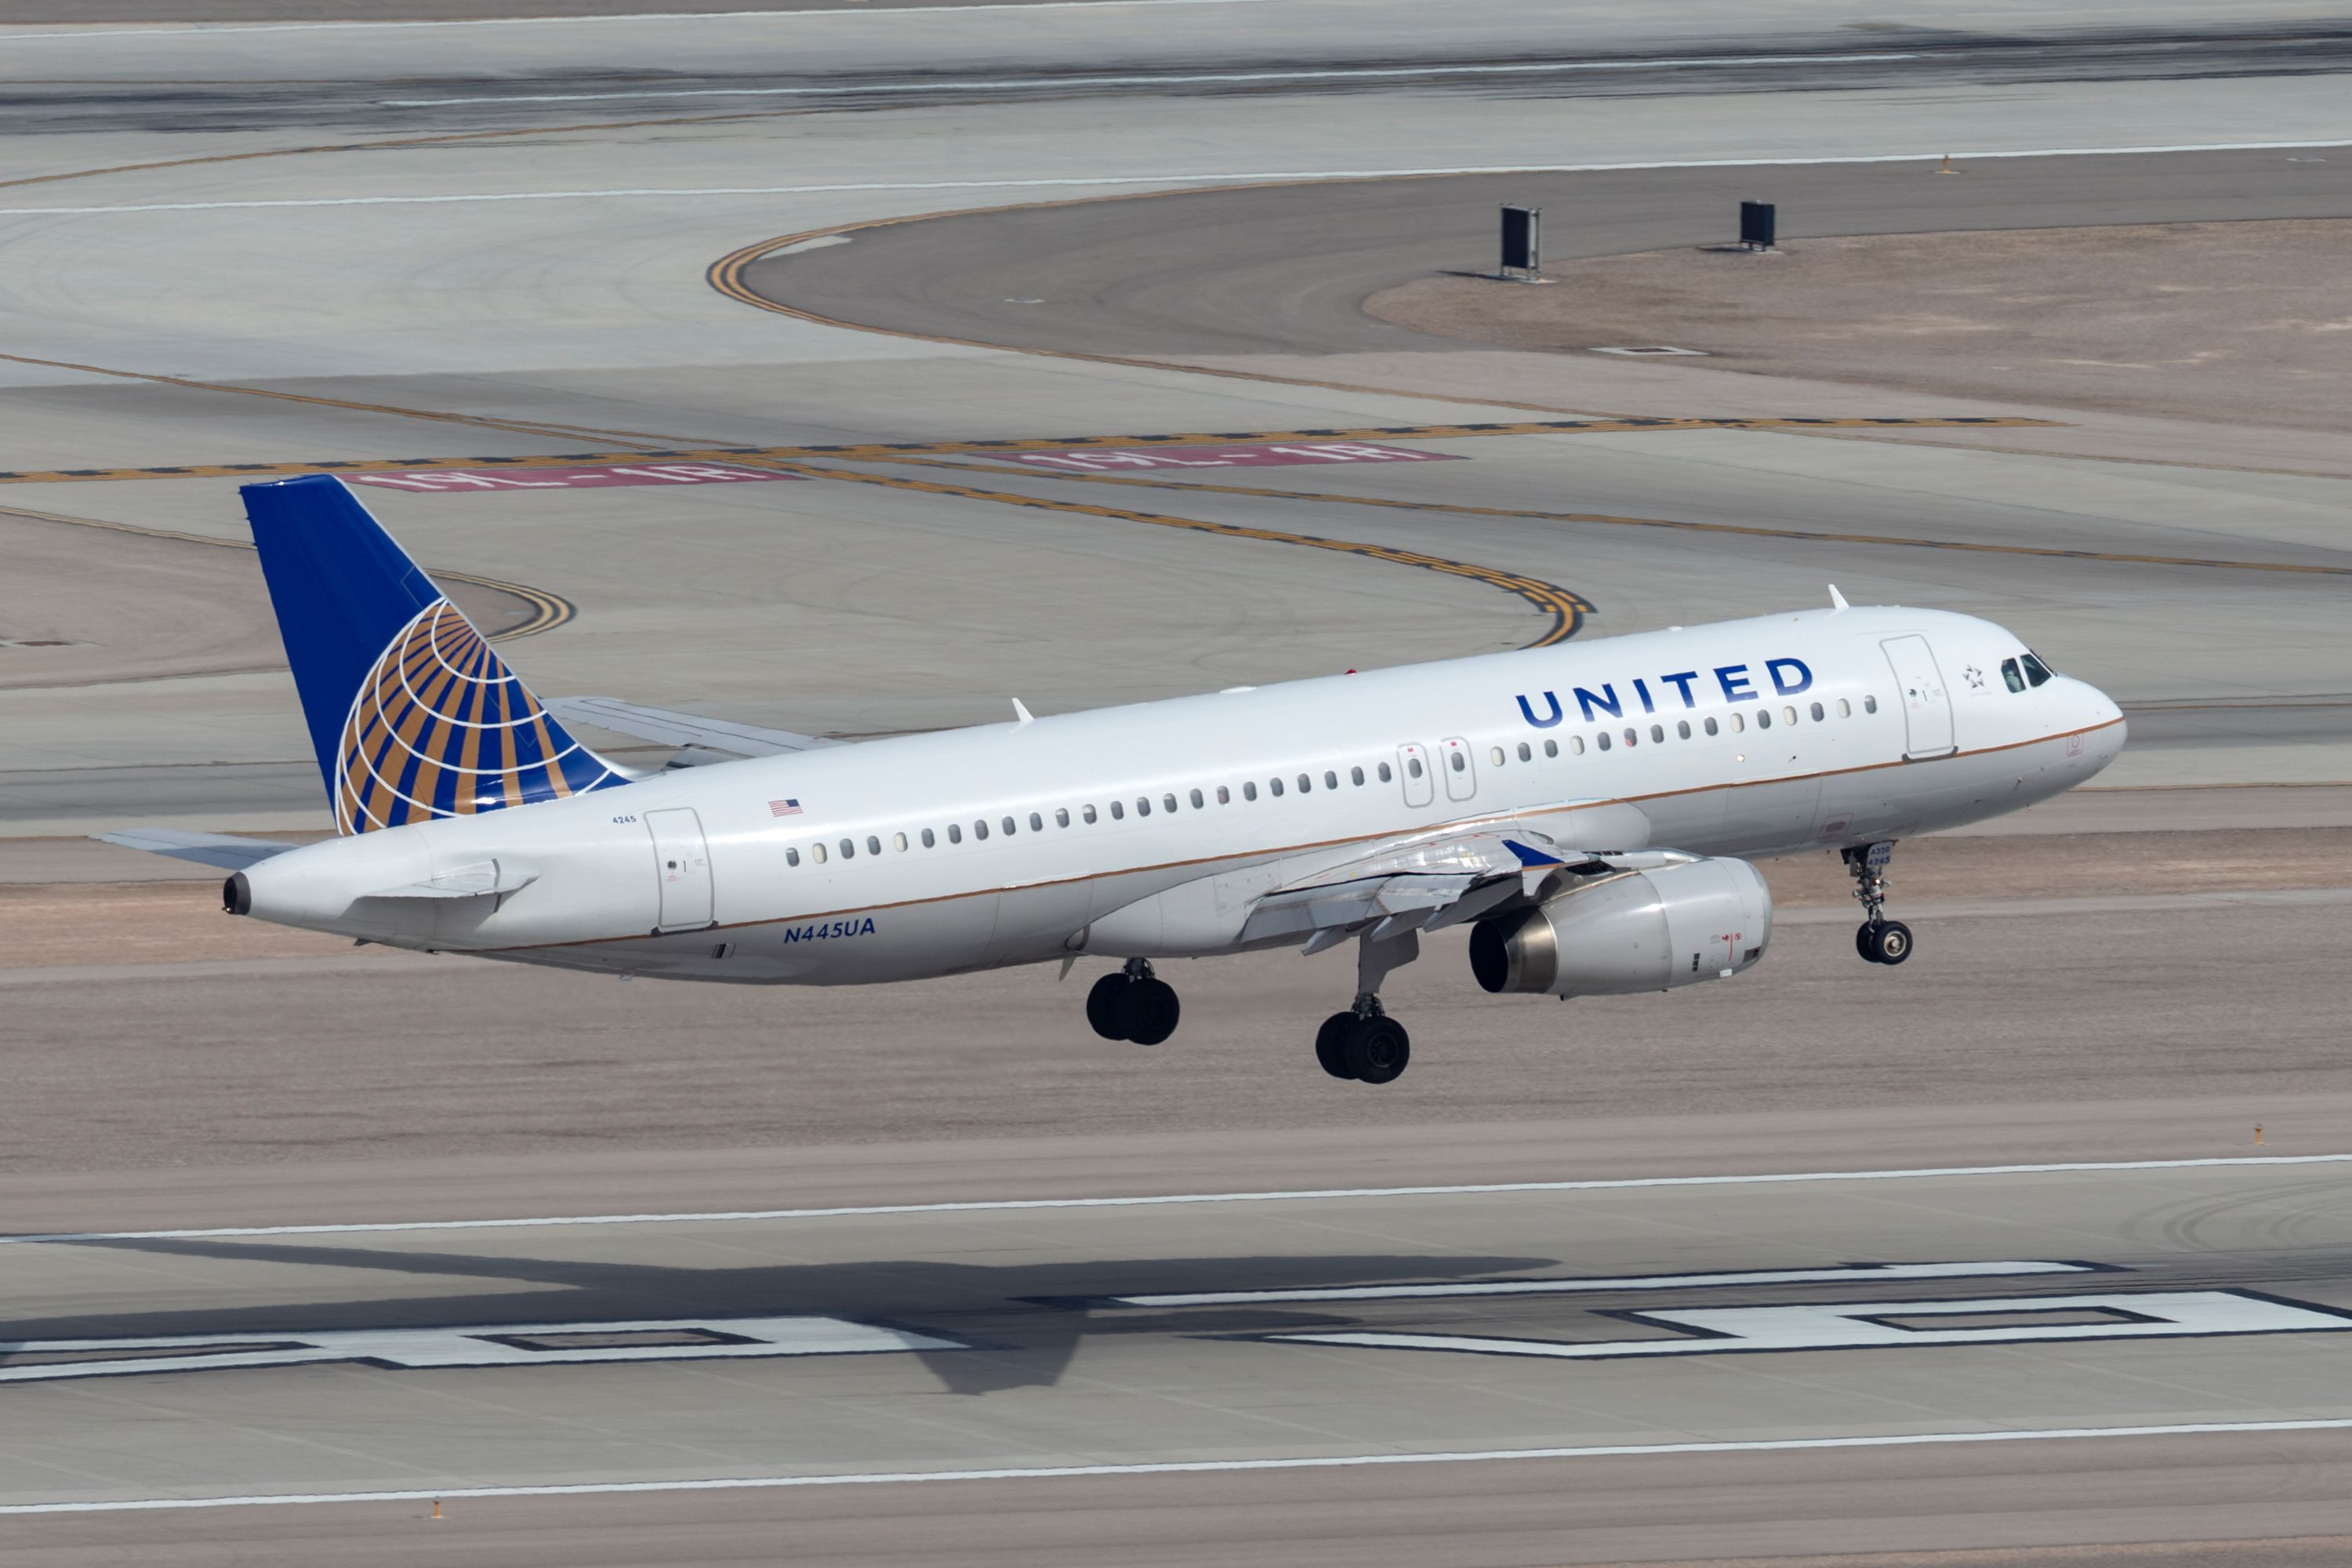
2009	673
2035	670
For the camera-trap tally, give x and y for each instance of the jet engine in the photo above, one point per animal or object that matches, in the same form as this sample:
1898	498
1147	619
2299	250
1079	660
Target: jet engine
1638	930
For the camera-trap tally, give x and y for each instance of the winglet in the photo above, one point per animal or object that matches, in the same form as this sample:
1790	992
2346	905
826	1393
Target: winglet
1025	716
1837	600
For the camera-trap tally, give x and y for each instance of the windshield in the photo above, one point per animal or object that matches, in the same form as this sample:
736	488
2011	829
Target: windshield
2035	670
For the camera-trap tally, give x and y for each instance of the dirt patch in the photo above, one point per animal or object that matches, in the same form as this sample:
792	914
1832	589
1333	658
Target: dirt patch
2238	323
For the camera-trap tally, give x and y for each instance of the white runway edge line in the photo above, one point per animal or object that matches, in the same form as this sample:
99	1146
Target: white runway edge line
1206	181
1198	1466
999	1205
1023	84
861	12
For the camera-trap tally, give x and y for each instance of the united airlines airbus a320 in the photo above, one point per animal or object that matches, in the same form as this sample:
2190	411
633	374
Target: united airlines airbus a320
1589	810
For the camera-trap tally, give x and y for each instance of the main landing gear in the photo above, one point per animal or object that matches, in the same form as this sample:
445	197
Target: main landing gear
1878	939
1364	1042
1133	1005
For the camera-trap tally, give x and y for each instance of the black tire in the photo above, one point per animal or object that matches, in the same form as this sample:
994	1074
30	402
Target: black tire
1331	1044
1893	943
1102	1005
1378	1051
1866	942
1147	1012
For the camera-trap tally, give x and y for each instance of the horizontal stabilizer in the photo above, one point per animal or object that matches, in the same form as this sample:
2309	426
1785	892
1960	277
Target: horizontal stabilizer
667	727
483	881
217	849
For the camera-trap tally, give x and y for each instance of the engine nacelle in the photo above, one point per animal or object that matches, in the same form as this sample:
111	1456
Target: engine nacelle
1644	931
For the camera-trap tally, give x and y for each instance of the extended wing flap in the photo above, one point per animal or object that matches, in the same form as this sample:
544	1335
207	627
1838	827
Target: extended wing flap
668	727
219	850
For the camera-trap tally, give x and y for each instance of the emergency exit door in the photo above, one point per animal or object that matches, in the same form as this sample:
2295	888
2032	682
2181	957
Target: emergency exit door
682	861
1926	706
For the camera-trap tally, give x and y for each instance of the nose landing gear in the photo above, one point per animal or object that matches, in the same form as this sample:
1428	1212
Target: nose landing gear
1133	1005
1878	939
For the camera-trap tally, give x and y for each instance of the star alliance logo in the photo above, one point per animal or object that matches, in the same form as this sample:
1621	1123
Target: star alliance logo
1975	676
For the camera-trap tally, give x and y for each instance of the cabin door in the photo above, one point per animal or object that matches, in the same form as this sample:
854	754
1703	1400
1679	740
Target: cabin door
1927	707
1413	772
682	862
1461	770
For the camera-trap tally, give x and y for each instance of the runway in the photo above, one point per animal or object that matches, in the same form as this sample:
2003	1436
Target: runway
2031	1252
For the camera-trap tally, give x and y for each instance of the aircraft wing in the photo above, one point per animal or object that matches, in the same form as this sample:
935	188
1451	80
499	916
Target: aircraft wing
668	727
1426	884
219	850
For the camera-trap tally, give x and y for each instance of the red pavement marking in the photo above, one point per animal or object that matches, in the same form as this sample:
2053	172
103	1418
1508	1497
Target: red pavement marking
1099	459
599	476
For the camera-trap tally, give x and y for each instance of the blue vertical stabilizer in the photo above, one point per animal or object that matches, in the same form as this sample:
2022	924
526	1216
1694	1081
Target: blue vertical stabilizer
412	714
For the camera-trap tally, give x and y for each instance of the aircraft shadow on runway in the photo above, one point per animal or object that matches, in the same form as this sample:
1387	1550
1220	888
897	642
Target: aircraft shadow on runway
1022	1323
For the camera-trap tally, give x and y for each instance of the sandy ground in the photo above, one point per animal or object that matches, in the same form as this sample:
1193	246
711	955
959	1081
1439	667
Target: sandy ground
2249	323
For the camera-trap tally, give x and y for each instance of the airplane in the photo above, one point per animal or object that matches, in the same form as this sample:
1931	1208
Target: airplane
1590	810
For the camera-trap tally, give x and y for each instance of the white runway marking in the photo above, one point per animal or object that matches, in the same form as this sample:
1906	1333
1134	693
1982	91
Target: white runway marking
198	31
994	1205
1855	1271
1883	1325
1206	1466
1205	180
1023	84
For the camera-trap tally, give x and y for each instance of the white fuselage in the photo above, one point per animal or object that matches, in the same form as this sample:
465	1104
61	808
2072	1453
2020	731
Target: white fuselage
1020	842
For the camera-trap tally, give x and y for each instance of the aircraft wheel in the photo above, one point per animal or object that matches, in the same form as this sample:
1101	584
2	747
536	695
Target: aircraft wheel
1893	943
1147	1012
1102	1005
1331	1044
1865	941
1378	1051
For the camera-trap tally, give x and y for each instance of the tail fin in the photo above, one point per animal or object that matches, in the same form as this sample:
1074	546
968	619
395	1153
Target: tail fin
412	714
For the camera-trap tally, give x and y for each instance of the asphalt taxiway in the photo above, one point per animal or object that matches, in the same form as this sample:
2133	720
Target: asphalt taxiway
239	249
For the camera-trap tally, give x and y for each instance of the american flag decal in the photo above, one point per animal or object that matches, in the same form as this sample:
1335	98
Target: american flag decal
786	808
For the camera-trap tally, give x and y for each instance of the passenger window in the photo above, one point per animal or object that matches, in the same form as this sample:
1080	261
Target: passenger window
1249	791
1036	823
1739	722
2035	670
1846	709
1118	811
1682	728
1356	776
1870	704
1658	733
1275	784
850	848
1495	755
1087	814
873	844
1763	718
1143	806
1009	825
816	853
955	834
1575	744
1789	715
898	842
980	829
1330	779
1818	714
1711	726
791	857
1168	804
1305	783
1224	795
1633	737
2011	676
928	841
1386	776
1197	801
1061	816
1412	766
1604	740
1461	763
